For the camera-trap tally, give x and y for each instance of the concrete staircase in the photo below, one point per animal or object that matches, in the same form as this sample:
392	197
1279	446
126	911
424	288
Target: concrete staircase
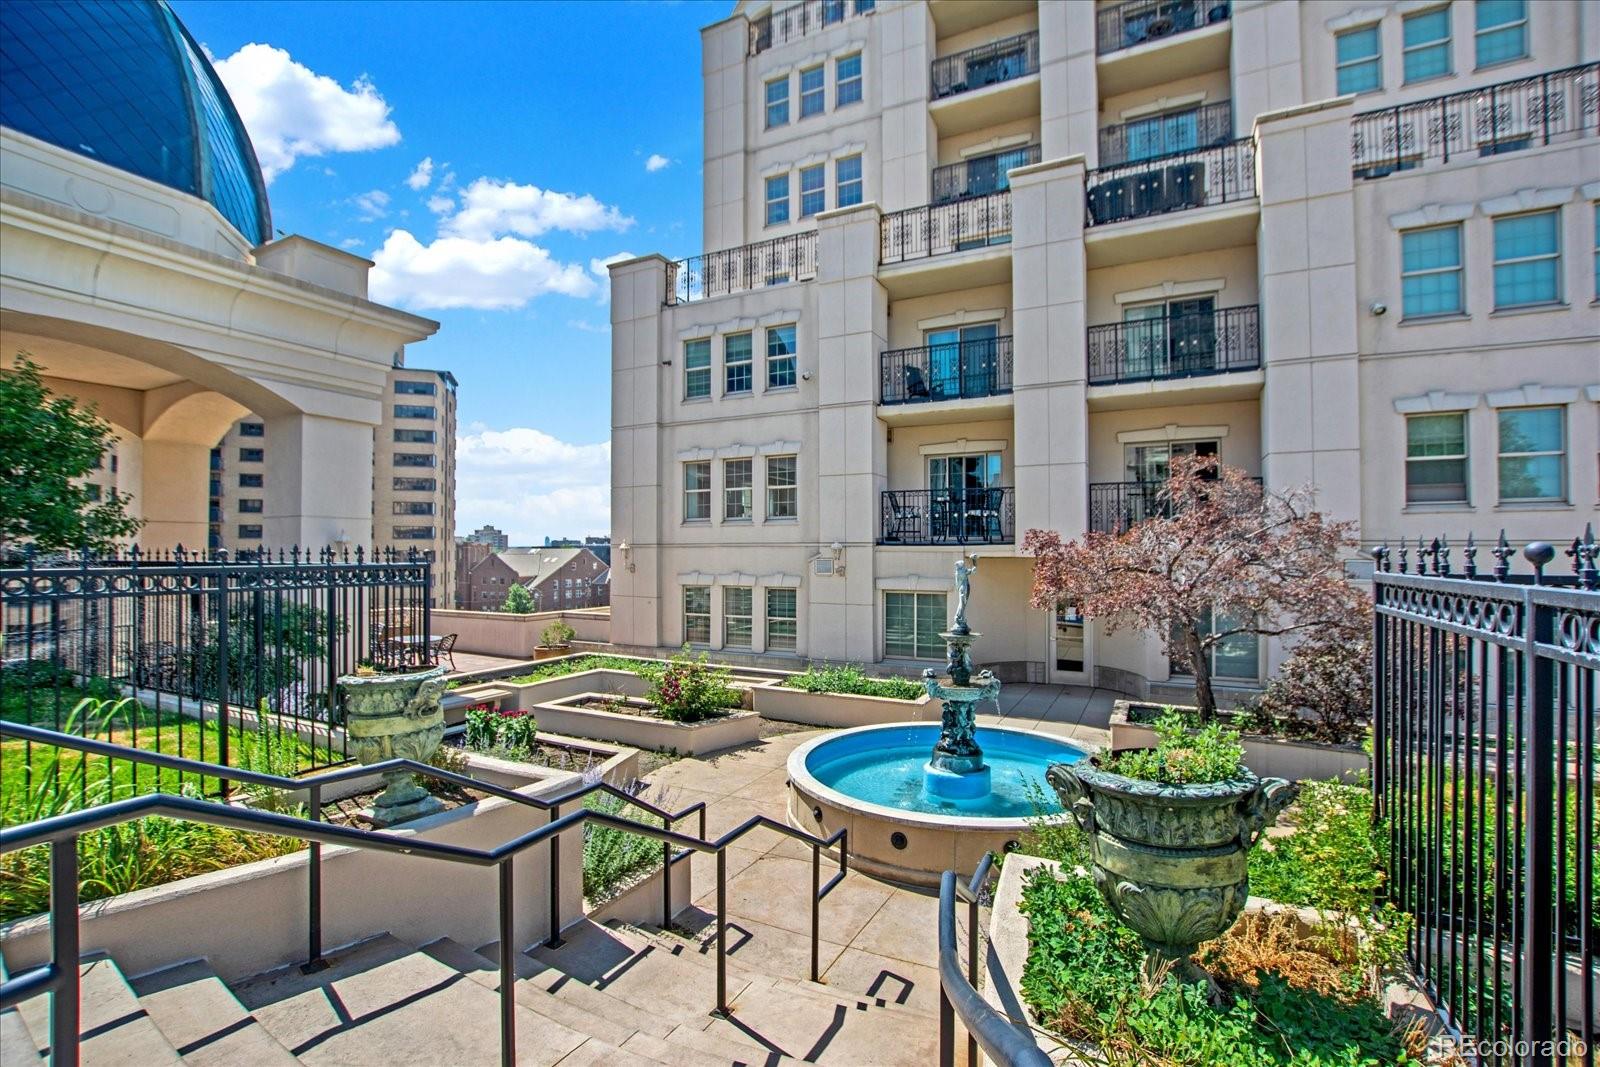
611	995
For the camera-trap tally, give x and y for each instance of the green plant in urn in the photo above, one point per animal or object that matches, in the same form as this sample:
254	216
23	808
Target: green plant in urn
395	716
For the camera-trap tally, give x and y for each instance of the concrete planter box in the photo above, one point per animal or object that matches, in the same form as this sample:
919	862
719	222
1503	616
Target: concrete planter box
659	735
1269	757
640	903
776	701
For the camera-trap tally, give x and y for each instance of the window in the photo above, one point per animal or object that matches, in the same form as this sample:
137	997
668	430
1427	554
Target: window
413	507
414	459
248	481
251	506
738	479
777	199
911	625
1358	62
1161	135
413	533
249	532
1430	271
415	411
415	437
697	491
783	487
847	80
1533	462
697	614
780	357
778	102
737	362
847	181
92	492
252	429
1596	261
832	11
416	485
1426	44
813	92
250	455
813	189
738	603
1527	260
863	6
1234	657
697	368
406	388
1502	31
1436	458
782	615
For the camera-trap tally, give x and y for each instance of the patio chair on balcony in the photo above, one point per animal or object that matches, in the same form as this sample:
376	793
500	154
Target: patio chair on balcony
982	518
902	522
915	383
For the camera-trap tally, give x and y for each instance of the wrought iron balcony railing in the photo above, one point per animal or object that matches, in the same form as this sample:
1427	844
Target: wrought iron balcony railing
1116	506
938	229
958	371
736	270
980	175
1187	345
1151	139
1130	24
1198	178
985	516
797	20
1560	105
988	64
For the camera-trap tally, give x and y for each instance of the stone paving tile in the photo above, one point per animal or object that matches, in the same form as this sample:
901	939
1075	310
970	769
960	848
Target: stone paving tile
890	982
903	928
769	785
775	890
703	870
770	949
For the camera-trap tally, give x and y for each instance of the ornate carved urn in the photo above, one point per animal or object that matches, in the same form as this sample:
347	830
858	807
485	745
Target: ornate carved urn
395	716
1171	860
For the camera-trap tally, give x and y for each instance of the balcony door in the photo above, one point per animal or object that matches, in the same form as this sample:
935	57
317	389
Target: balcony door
1148	467
1163	135
962	497
990	174
961	361
1171	338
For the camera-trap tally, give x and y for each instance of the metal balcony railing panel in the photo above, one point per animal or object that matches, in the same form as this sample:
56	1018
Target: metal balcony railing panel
1116	506
735	270
1542	109
1140	21
1145	142
939	229
1191	345
988	64
799	20
1198	178
980	175
979	516
958	371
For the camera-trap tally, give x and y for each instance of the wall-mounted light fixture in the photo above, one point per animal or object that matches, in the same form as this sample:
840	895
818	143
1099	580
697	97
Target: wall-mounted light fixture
627	555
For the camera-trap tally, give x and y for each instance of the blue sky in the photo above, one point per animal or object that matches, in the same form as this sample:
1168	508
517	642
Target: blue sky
556	134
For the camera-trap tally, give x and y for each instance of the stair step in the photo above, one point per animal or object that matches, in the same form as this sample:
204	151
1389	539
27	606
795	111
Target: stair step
114	1026
848	1035
16	1043
686	1046
202	1018
585	997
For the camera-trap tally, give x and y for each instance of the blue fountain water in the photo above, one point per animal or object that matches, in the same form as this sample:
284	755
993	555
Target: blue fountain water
886	767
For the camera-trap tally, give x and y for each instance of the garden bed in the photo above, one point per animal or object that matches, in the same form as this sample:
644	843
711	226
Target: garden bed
588	714
841	697
1132	726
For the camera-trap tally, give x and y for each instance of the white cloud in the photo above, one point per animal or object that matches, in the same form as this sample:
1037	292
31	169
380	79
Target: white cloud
293	112
441	205
349	242
454	272
490	206
372	205
600	268
531	484
423	175
585	326
657	162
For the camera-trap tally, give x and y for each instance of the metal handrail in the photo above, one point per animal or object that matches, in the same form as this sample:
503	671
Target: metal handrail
1009	58
60	977
996	1034
1139	21
939	229
1198	177
758	265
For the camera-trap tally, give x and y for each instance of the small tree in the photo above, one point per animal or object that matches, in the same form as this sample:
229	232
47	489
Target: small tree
1223	559
48	443
518	601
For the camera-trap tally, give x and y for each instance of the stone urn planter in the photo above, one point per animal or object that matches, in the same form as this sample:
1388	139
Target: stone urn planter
396	716
1171	860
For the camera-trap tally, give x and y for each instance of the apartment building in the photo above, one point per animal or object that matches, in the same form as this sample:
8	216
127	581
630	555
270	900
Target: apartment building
556	577
492	536
981	267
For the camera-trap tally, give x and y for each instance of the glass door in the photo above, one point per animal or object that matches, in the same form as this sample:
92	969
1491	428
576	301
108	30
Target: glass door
1192	335
1069	658
1145	329
962	362
958	495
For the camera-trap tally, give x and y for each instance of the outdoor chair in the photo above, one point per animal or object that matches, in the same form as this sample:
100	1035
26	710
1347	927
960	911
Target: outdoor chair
916	384
446	649
904	520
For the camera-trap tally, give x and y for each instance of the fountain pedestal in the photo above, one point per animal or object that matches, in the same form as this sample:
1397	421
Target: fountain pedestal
956	770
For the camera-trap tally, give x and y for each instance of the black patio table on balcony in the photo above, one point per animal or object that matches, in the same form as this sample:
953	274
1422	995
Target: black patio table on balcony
974	516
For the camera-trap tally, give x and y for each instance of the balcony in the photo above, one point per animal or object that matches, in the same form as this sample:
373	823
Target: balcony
940	229
1116	506
799	20
984	516
736	270
966	370
1146	140
1198	178
1508	116
990	64
980	175
1142	21
1189	345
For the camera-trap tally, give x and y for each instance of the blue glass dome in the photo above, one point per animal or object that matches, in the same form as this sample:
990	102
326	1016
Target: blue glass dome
122	82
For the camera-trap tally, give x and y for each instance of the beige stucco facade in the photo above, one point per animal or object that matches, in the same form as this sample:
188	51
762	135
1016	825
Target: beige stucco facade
1268	254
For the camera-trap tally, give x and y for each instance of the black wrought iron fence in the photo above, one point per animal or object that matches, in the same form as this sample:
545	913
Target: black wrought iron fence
1188	344
973	516
797	20
1558	105
1484	772
1126	25
1197	178
988	64
777	261
958	371
1116	506
1204	127
939	229
232	661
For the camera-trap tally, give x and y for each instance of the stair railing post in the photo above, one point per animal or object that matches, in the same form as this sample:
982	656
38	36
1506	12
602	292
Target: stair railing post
554	940
508	970
947	1029
816	906
722	932
64	949
666	875
972	969
314	961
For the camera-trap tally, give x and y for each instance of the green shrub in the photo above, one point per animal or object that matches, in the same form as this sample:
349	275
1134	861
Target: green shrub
518	601
849	678
557	668
612	857
501	731
688	689
556	634
1181	757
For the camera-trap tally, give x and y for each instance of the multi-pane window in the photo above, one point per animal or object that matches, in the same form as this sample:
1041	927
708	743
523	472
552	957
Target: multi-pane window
738	361
1236	656
415	411
92	491
250	481
697	614
413	507
738	482
252	429
738	603
697	490
780	357
1426	44
1358	60
1430	271
249	532
783	487
863	6
1533	460
413	533
778	102
832	11
697	368
777	199
415	459
251	455
410	388
416	485
251	506
813	189
1527	259
847	181
813	92
1501	33
415	437
911	625
1596	256
782	616
847	80
1436	458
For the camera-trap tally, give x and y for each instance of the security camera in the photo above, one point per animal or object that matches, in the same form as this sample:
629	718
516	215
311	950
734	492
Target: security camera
1378	307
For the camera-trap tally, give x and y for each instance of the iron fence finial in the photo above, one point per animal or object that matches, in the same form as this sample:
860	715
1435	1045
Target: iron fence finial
1588	575
1441	556
1403	550
1471	553
1502	553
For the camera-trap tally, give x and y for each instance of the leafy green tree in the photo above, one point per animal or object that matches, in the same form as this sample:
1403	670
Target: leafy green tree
48	443
518	601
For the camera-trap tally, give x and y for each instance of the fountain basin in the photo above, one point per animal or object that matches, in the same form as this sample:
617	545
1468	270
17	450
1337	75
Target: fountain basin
871	781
